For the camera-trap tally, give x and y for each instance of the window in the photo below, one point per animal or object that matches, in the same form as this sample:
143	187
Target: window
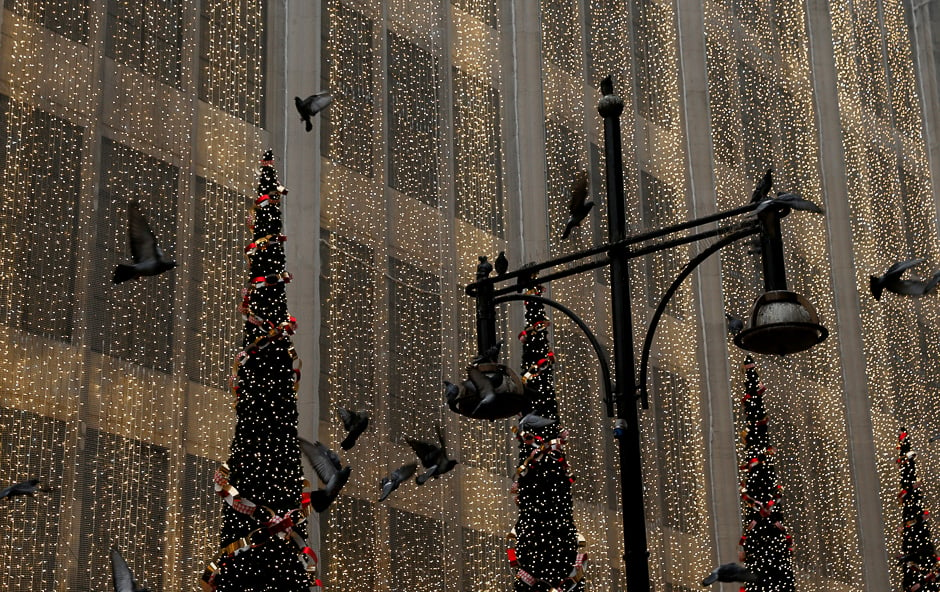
41	159
348	561
650	64
414	375
477	154
215	272
347	124
133	320
410	536
122	484
347	336
232	57
413	120
200	518
31	446
147	35
69	19
561	35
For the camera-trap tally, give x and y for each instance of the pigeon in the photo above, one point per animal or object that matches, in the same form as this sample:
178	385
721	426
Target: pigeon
790	200
147	254
533	422
735	324
578	207
452	392
729	572
491	354
484	387
501	265
25	488
891	281
355	423
762	190
311	106
484	268
433	457
329	469
499	394
398	476
123	578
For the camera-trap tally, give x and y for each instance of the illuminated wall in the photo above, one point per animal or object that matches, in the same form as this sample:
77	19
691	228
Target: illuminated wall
118	396
456	130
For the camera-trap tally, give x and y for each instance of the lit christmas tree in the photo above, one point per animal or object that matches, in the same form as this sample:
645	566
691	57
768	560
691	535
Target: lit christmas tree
263	531
548	552
918	557
766	548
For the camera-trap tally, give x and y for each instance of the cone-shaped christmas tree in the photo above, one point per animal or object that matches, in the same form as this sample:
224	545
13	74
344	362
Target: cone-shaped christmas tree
918	557
765	545
262	538
548	551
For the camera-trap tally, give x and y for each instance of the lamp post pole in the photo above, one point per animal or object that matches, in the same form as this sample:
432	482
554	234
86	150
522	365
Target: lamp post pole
782	322
628	444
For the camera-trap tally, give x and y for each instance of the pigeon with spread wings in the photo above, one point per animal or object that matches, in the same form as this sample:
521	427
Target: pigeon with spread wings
145	251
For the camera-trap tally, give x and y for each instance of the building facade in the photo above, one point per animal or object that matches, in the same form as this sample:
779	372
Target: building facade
455	132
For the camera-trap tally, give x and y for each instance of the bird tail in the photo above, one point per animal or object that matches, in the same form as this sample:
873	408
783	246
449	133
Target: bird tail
567	231
710	579
308	124
874	283
122	273
348	442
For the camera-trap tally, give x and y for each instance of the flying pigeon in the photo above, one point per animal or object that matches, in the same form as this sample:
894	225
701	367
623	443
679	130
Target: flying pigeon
123	578
501	265
311	106
762	190
147	254
729	572
433	457
355	423
578	207
791	200
329	469
398	476
533	422
25	488
891	281
735	324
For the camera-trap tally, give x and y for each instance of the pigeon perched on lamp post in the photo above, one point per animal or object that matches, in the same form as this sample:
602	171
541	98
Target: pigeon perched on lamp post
145	251
790	200
891	281
311	106
762	189
578	206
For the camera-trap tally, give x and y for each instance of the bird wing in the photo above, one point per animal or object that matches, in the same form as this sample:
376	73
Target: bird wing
349	418
404	472
324	461
579	192
479	380
900	267
427	453
142	241
121	573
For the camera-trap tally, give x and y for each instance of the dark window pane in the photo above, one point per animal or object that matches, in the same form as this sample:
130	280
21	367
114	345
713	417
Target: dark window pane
69	19
413	120
41	156
148	36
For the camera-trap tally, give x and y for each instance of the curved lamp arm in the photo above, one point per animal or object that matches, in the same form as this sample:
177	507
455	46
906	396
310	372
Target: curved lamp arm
598	348
654	321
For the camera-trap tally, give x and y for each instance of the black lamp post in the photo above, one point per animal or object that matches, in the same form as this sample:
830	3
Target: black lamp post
781	322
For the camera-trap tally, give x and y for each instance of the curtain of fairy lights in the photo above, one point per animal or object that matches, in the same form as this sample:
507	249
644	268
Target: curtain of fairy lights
98	379
385	204
893	217
762	107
